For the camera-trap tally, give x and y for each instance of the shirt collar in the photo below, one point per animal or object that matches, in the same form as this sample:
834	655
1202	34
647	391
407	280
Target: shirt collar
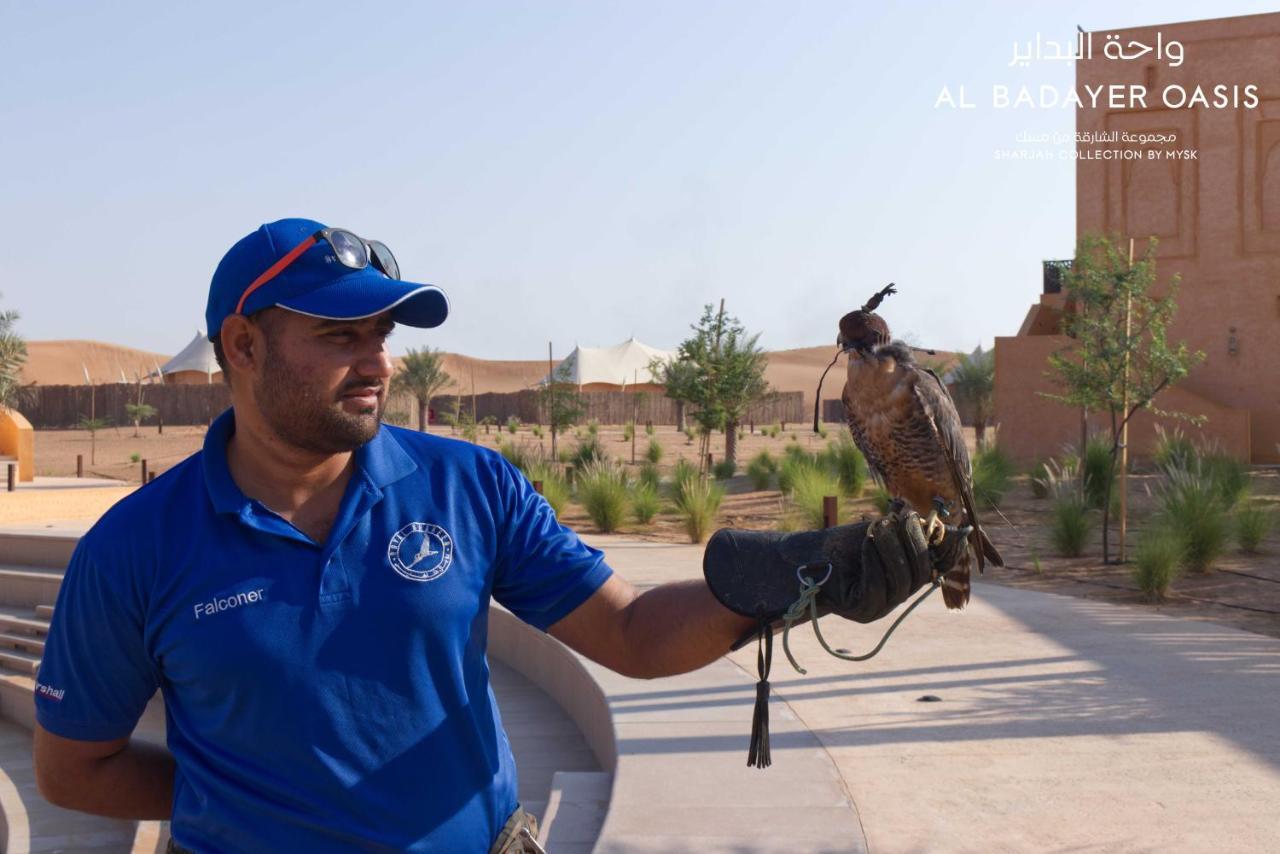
380	461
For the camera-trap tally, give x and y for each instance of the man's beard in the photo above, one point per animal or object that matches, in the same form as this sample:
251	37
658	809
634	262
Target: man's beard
304	418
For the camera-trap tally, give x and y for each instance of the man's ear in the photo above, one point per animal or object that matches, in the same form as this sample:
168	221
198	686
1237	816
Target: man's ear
242	343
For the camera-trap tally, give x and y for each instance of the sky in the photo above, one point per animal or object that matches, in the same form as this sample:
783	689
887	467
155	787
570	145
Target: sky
568	172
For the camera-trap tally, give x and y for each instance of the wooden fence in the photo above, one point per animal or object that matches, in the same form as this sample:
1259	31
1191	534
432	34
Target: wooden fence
63	406
606	407
56	406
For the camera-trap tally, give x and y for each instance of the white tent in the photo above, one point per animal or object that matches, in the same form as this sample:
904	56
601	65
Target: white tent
196	357
624	364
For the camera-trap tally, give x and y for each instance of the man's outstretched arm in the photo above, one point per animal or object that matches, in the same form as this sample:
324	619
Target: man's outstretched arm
665	630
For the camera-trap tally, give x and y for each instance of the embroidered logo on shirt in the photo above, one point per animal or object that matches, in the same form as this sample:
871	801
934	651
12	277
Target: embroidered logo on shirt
420	551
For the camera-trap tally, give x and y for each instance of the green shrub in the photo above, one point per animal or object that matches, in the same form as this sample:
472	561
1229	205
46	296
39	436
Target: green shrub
649	475
589	450
682	475
992	475
846	462
881	499
688	435
761	469
649	429
822	431
697	503
554	487
794	450
602	492
536	430
1173	449
564	455
593	427
773	431
628	431
1070	523
1229	476
1252	522
135	458
1098	474
654	453
810	487
792	465
644	502
724	469
1040	479
514	454
513	424
1191	505
1157	561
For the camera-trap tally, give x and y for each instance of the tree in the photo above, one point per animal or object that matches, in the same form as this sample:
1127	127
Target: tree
560	400
727	375
1120	357
139	412
93	425
678	379
13	354
973	382
421	375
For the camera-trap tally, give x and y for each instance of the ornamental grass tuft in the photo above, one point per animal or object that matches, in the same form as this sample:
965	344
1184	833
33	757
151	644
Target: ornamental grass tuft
761	470
697	503
603	493
1157	561
644	502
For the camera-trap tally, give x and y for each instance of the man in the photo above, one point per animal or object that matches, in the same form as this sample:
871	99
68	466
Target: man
310	593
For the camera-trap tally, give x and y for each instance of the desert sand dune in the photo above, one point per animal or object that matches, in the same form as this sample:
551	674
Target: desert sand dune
60	363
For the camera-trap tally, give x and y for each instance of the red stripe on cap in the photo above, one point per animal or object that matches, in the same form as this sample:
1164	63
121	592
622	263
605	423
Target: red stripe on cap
274	269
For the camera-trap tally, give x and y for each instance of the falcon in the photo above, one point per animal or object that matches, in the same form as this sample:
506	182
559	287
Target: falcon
906	425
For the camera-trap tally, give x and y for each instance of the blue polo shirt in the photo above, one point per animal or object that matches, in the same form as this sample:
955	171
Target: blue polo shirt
318	697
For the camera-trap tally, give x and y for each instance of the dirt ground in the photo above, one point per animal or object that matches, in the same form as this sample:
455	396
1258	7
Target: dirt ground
1241	591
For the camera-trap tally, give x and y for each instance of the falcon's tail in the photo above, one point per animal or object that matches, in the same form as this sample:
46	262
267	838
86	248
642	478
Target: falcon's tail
985	548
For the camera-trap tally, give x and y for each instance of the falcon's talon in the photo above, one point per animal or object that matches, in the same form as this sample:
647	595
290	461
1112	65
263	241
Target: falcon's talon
935	530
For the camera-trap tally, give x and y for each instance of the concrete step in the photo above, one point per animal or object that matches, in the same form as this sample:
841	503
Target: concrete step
44	612
48	549
19	662
23	642
28	586
17	692
22	620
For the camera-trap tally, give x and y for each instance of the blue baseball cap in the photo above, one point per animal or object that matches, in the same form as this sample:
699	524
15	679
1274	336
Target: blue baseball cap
315	283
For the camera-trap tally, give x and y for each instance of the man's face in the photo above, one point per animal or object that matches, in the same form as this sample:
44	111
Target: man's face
324	382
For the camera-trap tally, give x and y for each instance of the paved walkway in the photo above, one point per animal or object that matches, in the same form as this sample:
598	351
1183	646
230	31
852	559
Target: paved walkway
1063	724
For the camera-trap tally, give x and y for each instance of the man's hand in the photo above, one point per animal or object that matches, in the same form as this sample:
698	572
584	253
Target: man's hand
864	570
118	778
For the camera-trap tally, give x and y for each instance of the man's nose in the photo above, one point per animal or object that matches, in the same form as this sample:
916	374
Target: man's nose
376	363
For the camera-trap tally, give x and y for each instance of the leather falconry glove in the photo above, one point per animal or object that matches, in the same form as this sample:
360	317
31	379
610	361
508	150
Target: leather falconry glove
861	572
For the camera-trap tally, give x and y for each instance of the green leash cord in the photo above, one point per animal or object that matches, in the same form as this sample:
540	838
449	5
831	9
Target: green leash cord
808	601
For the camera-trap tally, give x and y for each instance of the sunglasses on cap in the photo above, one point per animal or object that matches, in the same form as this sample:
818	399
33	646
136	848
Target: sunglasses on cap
350	249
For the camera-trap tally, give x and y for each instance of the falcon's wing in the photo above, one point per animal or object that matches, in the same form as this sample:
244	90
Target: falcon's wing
938	406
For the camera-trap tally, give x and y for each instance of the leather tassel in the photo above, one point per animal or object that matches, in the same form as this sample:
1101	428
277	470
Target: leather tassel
758	754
